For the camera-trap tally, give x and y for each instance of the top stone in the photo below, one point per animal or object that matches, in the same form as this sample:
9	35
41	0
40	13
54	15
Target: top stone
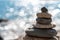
44	13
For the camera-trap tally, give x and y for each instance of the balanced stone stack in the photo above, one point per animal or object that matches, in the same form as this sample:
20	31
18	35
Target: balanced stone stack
43	29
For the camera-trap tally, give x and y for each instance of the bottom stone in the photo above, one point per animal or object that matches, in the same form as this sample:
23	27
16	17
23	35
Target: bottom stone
41	32
37	38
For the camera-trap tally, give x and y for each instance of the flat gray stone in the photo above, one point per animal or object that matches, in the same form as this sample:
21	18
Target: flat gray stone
41	32
44	20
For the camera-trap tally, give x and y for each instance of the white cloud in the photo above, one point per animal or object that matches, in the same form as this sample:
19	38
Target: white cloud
11	10
20	23
54	12
51	7
8	14
36	8
33	2
59	5
11	31
21	13
42	2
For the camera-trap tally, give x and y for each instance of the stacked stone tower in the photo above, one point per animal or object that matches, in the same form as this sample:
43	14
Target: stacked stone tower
43	29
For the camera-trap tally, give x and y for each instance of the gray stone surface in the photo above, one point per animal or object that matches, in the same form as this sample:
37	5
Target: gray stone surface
41	32
44	20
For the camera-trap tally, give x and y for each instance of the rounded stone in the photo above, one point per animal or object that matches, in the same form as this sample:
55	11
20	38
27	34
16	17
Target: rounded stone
43	26
45	21
43	15
41	32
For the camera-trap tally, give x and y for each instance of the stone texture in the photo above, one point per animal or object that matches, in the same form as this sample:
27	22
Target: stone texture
41	32
44	26
43	15
37	38
45	21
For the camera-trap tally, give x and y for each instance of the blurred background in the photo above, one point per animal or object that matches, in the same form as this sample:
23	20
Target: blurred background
21	14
